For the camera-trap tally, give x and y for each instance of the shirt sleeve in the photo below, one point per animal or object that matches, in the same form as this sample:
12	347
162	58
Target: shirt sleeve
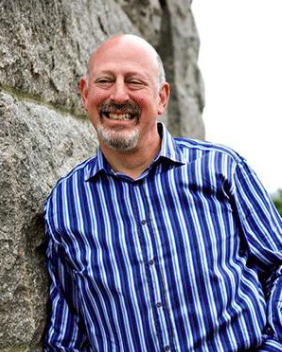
65	330
262	227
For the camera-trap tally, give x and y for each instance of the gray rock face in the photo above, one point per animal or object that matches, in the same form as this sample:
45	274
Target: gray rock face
38	146
146	16
45	45
44	49
178	47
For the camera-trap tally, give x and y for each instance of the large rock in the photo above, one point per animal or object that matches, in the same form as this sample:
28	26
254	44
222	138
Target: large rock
146	16
38	145
44	49
45	45
178	47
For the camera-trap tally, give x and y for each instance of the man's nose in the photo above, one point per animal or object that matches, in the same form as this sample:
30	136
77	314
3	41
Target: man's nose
119	92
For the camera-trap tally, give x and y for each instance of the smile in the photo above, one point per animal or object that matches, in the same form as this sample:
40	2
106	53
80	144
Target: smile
120	112
119	117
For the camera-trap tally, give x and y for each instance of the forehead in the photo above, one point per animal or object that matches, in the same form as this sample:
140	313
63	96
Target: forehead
124	55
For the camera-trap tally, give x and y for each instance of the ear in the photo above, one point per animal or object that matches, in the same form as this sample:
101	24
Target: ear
83	86
164	94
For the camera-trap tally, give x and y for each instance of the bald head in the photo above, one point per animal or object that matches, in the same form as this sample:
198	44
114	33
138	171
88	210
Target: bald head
125	94
126	42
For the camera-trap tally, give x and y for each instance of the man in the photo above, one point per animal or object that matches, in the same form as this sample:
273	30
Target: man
158	243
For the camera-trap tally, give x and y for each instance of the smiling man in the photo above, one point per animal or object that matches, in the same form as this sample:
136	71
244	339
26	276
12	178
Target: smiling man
124	93
158	243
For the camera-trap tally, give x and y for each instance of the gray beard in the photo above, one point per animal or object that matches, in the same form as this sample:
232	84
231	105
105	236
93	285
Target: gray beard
118	139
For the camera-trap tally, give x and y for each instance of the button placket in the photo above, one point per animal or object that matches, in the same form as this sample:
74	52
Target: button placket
148	242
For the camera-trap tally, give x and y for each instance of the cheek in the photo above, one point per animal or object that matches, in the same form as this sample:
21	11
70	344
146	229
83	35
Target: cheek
147	103
141	102
95	102
96	97
92	108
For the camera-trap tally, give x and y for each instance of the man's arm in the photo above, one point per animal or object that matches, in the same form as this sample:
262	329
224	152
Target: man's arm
262	228
65	331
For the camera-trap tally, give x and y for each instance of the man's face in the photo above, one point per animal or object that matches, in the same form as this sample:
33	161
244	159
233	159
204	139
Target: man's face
122	97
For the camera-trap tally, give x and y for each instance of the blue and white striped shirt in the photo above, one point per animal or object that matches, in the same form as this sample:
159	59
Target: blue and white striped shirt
185	258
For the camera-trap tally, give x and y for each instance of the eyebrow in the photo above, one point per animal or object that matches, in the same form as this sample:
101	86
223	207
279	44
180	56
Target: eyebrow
104	73
130	73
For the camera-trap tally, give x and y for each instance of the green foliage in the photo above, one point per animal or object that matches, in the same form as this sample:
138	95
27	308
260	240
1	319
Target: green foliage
278	201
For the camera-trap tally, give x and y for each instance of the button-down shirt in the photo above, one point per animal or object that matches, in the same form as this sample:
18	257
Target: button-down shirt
185	258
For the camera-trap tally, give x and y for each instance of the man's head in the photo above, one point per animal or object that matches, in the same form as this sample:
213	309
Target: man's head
124	92
161	70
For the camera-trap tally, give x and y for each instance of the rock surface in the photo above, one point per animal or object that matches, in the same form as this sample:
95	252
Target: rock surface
45	45
38	145
44	48
178	47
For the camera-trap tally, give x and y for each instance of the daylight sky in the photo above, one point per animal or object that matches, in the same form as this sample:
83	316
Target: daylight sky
241	63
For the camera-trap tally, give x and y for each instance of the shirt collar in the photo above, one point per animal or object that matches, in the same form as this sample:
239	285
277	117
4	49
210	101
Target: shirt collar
96	165
169	150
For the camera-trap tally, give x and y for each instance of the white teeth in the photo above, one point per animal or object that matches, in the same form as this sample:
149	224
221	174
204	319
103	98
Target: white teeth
119	116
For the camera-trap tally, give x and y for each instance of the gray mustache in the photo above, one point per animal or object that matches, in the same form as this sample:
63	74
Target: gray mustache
127	107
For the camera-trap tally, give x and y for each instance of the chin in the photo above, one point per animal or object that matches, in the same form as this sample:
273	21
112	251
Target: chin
118	139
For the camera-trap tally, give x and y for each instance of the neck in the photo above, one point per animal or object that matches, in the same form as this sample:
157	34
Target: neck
132	163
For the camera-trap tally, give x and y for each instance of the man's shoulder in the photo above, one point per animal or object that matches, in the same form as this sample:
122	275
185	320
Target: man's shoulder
201	148
79	172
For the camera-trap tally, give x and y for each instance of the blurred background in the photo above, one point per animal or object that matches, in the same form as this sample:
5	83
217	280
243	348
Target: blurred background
241	62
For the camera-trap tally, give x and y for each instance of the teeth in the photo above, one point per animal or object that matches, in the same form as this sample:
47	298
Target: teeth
113	116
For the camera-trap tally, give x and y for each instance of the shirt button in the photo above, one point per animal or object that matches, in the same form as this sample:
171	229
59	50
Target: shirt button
159	304
143	222
167	348
151	262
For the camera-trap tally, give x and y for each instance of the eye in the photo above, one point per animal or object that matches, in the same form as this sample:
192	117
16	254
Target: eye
135	84
104	82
